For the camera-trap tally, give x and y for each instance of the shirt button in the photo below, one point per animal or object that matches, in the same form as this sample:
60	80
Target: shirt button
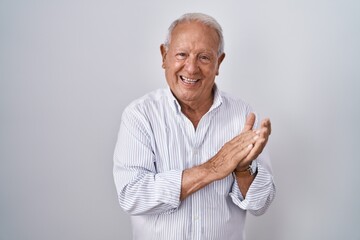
196	218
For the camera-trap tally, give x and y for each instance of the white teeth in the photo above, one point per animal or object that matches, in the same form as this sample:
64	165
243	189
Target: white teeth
189	80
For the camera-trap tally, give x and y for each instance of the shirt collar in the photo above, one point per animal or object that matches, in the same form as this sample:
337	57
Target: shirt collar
175	105
217	98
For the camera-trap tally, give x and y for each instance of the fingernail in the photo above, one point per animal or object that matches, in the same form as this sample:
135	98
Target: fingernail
250	146
256	137
257	132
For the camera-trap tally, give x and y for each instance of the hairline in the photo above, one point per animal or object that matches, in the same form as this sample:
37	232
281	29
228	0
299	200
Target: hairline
201	18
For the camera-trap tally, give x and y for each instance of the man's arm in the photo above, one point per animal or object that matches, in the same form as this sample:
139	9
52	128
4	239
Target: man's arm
256	191
262	190
244	181
141	189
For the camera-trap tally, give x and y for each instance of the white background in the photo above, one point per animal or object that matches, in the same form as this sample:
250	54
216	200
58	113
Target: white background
68	69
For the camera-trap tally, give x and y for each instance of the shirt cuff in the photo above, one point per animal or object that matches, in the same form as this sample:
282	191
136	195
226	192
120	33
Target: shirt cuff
168	187
258	193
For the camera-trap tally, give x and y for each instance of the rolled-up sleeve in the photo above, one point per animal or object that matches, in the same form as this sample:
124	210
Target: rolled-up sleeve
261	192
140	188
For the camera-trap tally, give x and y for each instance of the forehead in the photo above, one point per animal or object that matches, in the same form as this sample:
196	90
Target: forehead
194	34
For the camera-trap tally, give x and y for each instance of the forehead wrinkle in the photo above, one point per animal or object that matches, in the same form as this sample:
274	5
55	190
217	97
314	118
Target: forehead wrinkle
194	37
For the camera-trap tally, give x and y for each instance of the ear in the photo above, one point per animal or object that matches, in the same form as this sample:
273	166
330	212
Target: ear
163	54
220	59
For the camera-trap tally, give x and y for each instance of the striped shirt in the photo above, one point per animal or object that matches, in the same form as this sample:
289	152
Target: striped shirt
156	142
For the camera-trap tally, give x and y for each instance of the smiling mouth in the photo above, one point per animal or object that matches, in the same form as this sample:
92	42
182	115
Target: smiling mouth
189	80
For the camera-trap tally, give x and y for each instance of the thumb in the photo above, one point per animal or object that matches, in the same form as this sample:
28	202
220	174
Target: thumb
250	120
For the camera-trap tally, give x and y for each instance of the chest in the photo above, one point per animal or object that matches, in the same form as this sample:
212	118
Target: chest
176	144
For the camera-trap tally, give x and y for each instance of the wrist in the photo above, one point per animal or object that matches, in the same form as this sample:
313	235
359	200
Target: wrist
209	175
251	170
193	179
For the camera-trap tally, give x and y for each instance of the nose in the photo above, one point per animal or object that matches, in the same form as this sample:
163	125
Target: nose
191	65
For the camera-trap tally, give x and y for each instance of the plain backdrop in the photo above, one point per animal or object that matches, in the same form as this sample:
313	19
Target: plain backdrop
68	68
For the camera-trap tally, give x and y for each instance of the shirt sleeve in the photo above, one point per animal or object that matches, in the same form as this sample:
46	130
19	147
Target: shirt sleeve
140	188
261	192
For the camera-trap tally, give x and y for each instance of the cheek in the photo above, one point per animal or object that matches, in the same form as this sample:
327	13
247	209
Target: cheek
176	65
173	70
209	72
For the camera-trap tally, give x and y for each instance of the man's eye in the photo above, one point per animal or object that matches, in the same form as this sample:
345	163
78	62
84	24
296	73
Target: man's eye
205	58
181	55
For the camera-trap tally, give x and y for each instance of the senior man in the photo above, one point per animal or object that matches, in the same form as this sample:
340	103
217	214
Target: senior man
190	161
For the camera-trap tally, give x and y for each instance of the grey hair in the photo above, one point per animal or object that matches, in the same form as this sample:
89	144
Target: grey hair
198	17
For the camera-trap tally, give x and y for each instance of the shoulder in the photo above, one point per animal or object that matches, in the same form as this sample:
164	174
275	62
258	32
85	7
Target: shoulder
235	106
234	103
145	110
147	101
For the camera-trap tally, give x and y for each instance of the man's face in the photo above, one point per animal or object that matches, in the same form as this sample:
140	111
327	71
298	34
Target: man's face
191	62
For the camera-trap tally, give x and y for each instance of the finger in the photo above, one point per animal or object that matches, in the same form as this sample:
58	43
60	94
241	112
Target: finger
237	148
266	124
239	156
269	127
261	141
256	150
242	143
250	120
264	132
244	136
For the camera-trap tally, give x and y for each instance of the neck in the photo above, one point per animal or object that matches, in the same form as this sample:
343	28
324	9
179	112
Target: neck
194	111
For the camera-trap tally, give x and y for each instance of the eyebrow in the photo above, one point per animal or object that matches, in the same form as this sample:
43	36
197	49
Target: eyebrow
207	51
